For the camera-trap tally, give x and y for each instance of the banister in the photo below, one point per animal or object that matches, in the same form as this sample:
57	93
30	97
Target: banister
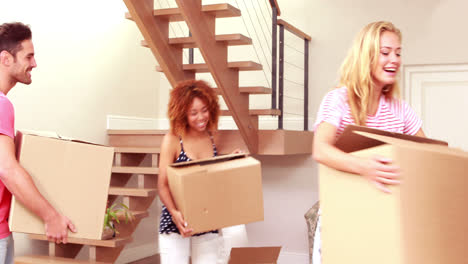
294	30
273	4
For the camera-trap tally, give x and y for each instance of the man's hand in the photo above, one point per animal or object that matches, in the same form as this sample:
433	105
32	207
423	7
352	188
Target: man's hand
56	228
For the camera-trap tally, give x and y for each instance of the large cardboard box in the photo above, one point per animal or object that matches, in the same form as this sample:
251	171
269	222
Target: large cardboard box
254	255
423	220
73	176
217	192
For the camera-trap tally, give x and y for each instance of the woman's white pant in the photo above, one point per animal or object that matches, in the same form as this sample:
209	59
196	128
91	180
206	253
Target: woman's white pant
233	236
175	249
205	249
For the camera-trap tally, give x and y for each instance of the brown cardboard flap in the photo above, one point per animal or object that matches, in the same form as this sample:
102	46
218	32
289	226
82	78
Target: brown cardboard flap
443	149
52	134
350	141
207	161
251	255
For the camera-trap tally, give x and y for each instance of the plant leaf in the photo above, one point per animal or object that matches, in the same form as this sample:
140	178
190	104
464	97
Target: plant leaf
112	215
106	220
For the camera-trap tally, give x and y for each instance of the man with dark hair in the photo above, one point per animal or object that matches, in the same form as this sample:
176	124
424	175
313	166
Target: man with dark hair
16	63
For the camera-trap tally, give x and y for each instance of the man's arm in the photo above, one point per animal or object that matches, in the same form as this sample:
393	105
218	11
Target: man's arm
20	184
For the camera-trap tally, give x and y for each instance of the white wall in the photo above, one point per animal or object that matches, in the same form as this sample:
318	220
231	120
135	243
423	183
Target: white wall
432	33
289	190
91	65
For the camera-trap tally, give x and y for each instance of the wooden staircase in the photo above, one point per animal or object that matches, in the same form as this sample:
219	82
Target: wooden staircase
127	164
201	21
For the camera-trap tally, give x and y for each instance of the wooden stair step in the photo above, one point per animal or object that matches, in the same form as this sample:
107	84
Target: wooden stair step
256	112
135	170
140	192
271	142
52	260
189	42
111	243
174	15
239	65
137	132
137	150
251	90
136	214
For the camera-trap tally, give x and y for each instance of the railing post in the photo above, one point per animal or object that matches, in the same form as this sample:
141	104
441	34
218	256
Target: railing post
274	43
306	84
281	75
190	51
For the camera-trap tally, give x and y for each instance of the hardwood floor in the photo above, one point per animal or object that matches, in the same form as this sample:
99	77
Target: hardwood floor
149	260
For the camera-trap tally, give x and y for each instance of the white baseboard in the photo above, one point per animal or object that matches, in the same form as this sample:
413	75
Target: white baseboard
225	122
131	122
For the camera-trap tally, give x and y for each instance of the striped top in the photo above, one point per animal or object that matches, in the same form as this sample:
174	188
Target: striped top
393	115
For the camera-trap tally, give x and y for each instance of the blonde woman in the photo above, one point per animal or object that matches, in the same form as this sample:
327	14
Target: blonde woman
368	95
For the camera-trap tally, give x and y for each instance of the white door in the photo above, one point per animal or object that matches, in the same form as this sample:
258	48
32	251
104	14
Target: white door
439	95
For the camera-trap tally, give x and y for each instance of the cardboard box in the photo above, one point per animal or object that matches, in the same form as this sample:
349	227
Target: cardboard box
217	192
73	176
254	255
424	220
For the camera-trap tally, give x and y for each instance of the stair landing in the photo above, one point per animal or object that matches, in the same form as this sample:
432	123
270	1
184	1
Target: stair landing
271	142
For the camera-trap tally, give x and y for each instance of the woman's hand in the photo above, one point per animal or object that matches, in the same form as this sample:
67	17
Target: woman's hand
381	172
179	221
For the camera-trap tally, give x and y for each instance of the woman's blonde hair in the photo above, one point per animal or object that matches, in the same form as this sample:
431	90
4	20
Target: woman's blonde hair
356	70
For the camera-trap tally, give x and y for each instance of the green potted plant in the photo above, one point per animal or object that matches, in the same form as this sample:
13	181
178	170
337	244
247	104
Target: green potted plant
113	213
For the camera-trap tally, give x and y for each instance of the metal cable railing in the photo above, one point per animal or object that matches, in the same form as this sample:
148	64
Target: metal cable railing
254	43
279	75
180	32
